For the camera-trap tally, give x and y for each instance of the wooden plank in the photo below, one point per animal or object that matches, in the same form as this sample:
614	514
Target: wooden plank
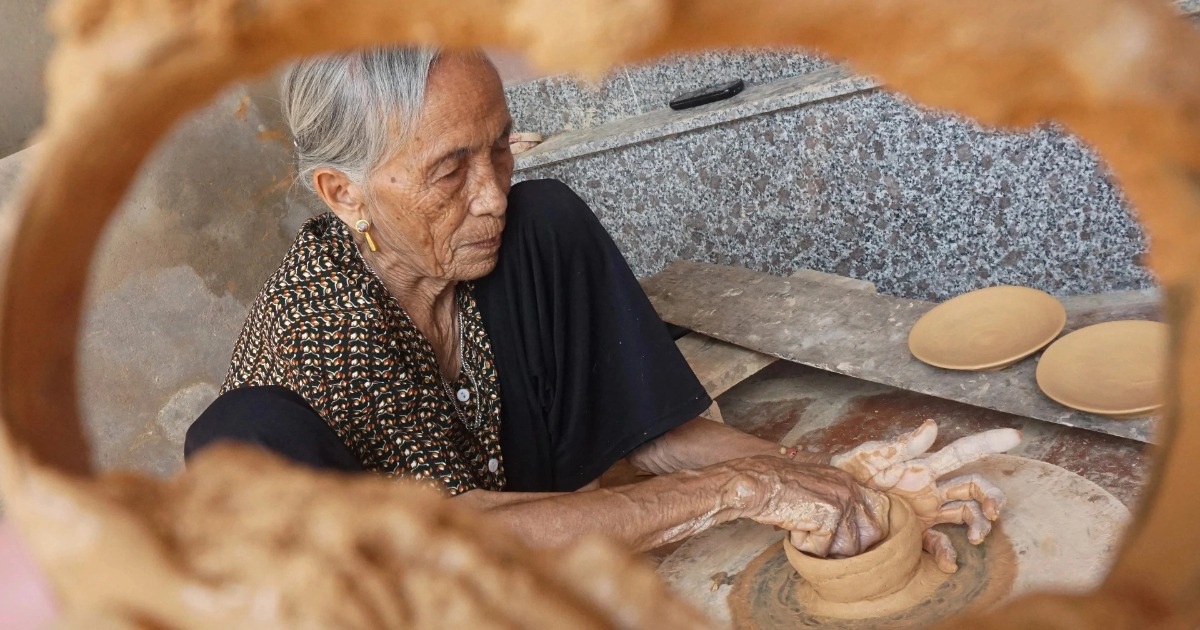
854	333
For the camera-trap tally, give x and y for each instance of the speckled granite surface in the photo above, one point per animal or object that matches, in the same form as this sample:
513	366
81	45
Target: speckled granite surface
556	104
922	204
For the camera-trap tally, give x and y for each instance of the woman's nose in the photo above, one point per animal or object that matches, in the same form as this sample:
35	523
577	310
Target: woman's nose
491	197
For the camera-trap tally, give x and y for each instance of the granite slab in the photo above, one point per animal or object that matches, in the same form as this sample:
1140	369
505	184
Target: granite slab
854	333
923	204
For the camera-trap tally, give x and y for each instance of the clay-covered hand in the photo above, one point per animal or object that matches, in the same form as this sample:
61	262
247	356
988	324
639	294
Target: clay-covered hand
827	512
901	467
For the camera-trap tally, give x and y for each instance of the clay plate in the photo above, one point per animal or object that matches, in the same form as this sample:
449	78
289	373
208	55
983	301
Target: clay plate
987	329
1113	369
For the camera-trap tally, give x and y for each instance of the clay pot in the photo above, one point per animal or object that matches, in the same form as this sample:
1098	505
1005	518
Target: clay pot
881	571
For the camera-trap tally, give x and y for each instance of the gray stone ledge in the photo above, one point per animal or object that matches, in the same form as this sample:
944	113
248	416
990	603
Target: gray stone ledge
755	100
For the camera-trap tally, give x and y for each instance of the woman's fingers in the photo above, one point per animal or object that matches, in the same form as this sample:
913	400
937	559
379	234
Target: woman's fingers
871	458
976	488
842	528
966	513
798	538
875	515
817	543
939	546
971	448
846	540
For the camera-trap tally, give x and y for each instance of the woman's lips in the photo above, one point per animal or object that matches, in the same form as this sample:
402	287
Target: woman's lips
491	243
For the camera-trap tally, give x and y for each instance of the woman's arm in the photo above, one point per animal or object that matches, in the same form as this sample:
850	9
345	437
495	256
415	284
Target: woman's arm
841	517
701	443
899	466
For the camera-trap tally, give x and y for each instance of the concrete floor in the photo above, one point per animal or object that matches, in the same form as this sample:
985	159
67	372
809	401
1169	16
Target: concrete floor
802	406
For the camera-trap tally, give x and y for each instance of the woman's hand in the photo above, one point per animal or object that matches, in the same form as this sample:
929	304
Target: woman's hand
901	467
827	512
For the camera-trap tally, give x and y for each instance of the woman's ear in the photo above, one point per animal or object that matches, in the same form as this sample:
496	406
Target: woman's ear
344	197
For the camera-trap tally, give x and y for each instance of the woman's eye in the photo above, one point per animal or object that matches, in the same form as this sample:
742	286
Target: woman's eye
457	170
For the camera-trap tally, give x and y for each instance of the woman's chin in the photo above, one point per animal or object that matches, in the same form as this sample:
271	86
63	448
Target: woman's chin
476	270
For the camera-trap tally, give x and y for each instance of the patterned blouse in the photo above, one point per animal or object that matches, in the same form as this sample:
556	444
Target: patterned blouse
326	328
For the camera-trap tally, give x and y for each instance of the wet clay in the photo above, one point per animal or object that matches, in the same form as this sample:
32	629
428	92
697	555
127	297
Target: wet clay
770	595
242	540
893	576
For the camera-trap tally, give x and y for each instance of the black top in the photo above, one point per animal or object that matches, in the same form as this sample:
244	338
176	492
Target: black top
585	370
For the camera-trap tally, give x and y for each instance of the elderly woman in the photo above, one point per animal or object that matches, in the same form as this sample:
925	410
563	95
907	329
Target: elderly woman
440	323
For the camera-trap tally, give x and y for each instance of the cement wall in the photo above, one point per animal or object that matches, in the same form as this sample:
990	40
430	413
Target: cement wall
24	46
207	221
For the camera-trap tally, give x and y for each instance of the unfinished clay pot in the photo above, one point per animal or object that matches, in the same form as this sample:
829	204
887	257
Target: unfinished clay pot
893	576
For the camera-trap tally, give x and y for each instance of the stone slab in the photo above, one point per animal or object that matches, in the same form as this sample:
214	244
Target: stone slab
834	280
556	104
753	101
720	365
853	333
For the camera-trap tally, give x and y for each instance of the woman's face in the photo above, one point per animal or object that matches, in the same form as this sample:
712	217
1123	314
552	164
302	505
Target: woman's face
438	206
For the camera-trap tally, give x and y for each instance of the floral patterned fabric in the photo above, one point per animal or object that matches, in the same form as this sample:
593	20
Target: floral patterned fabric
326	328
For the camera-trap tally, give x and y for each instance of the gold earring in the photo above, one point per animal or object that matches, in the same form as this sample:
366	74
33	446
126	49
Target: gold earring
364	227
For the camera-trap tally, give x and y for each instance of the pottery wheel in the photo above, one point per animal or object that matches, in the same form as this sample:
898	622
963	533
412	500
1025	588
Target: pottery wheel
1057	531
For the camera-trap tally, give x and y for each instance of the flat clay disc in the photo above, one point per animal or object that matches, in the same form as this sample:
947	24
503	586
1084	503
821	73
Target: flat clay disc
987	329
1113	369
769	594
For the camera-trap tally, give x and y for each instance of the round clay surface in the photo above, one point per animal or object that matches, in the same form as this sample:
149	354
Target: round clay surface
1060	529
987	329
1114	369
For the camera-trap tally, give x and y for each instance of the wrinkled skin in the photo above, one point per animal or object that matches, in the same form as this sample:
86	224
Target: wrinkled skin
827	512
902	468
436	206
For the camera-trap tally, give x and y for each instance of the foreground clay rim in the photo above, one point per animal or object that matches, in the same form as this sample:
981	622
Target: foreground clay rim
1102	68
883	570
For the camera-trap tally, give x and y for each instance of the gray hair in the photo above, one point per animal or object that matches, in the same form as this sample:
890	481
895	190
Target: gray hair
349	111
